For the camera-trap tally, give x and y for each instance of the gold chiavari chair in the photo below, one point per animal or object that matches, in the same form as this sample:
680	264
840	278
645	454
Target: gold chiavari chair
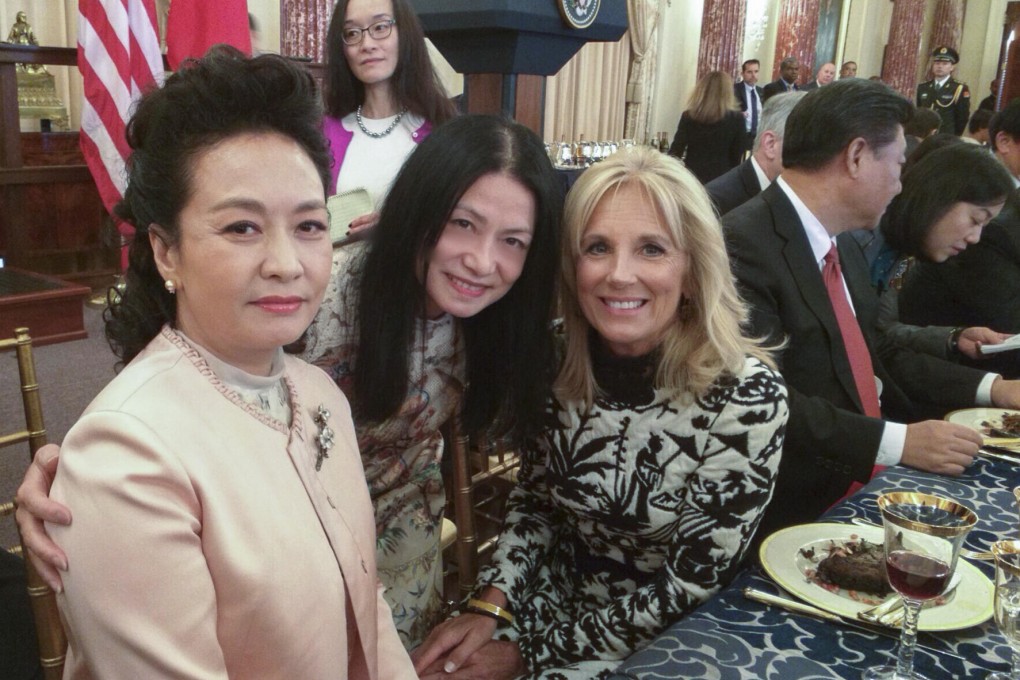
49	631
472	470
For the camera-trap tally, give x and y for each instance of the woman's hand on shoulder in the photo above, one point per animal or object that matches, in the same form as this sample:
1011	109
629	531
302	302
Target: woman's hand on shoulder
34	508
494	660
451	644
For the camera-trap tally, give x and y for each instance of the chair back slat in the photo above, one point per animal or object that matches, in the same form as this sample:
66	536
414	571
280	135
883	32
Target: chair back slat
49	630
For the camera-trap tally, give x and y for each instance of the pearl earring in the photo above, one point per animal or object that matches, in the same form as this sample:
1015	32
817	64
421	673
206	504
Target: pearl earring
170	286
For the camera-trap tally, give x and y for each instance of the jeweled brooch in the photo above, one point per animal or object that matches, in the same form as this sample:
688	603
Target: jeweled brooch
325	437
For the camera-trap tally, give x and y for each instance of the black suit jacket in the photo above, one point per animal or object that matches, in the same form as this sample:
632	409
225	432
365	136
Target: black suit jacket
735	187
775	87
829	440
740	92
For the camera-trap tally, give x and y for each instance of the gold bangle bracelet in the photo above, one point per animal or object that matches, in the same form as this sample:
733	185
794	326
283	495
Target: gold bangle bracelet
490	610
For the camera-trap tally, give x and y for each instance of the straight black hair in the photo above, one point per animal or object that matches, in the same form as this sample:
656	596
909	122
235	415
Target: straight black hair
956	173
415	82
510	362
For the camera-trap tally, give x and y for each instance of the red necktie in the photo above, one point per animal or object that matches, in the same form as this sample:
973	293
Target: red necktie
853	341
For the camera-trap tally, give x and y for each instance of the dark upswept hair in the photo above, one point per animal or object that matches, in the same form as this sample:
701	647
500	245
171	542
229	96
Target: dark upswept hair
415	83
207	101
508	344
824	123
956	173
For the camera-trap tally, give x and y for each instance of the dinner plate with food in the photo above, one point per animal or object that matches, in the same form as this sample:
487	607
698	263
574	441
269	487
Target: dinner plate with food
1000	427
839	568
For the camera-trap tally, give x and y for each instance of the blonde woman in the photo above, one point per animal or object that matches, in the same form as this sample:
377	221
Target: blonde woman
659	451
710	137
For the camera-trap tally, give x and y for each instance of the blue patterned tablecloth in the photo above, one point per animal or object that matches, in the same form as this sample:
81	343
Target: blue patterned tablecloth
732	637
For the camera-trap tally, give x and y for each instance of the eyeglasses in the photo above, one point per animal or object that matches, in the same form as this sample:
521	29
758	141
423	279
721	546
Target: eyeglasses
378	31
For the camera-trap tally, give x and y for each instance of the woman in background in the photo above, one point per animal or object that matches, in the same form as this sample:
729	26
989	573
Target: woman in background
710	137
382	95
222	526
659	453
950	193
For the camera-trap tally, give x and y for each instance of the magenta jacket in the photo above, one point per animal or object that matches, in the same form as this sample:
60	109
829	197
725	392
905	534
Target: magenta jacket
340	137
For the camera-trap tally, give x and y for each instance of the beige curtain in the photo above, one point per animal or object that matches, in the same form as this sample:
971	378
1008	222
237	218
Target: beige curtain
588	96
643	17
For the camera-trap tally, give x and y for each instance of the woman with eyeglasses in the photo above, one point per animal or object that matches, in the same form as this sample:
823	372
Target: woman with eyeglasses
382	96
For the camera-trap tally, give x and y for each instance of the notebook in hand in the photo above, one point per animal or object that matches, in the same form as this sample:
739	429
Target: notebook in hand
345	207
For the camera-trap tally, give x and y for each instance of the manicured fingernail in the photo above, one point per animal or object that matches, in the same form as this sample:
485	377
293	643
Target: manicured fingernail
449	667
63	564
56	587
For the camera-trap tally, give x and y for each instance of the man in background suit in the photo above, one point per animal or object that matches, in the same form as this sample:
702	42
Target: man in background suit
748	179
850	394
748	95
826	74
789	69
848	70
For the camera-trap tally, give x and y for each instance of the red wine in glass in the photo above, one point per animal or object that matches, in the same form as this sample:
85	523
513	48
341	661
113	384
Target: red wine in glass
916	576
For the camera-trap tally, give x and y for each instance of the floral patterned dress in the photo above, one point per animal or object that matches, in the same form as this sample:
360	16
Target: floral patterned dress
630	514
402	454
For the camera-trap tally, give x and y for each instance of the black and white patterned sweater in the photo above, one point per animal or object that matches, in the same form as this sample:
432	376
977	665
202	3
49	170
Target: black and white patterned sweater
629	515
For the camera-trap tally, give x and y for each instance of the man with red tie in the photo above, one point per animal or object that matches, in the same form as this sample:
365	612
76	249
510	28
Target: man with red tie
855	401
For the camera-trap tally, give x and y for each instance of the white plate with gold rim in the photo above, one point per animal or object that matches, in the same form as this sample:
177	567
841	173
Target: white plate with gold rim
981	419
782	556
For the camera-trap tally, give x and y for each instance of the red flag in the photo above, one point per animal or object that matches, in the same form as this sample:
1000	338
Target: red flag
119	58
196	25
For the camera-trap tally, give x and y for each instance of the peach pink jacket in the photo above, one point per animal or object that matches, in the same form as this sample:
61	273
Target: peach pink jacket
204	543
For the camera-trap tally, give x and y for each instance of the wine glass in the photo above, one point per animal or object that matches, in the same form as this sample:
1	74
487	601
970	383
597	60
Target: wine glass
1007	601
923	537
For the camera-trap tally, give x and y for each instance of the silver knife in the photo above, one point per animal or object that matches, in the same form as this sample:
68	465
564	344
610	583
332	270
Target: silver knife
810	610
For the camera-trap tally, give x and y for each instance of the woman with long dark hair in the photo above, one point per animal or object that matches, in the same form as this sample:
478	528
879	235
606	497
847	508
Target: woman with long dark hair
448	305
382	96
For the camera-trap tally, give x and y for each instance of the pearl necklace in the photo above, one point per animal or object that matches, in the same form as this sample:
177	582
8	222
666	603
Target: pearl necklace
379	135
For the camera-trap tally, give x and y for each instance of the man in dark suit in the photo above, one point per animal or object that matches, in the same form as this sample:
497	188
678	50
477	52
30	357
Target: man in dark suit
748	179
948	97
850	393
1004	137
826	74
748	95
789	69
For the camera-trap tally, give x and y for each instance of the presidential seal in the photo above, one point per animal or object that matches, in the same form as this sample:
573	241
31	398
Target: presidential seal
579	13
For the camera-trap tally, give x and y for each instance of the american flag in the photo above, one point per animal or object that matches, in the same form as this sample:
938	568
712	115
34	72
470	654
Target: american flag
119	58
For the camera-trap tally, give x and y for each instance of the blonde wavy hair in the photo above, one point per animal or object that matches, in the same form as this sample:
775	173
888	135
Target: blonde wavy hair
712	98
706	340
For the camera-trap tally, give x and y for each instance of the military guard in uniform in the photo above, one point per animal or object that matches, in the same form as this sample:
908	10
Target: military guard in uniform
949	97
